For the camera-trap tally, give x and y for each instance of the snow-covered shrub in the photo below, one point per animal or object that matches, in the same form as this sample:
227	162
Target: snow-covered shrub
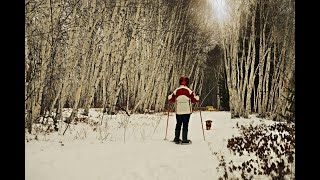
273	149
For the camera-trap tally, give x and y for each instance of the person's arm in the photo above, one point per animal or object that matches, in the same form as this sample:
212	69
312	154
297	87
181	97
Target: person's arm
172	97
194	98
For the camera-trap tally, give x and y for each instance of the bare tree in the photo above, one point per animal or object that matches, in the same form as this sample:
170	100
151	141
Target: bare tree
108	54
258	54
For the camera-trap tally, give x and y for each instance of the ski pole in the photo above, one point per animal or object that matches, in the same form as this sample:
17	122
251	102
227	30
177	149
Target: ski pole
167	122
201	122
206	95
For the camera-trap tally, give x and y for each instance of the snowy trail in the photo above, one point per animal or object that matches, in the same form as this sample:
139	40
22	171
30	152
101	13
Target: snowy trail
154	158
122	162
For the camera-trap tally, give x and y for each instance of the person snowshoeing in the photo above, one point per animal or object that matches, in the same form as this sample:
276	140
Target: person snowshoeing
183	96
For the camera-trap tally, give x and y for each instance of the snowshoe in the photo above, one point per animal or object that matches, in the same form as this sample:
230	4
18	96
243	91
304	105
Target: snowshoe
186	142
177	141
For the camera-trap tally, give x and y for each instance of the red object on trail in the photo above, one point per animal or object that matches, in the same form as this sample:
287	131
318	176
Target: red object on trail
208	124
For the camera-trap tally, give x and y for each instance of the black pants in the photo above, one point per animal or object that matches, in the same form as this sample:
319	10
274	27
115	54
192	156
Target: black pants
182	120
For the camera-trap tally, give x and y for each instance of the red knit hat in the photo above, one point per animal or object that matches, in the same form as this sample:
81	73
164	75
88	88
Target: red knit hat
184	80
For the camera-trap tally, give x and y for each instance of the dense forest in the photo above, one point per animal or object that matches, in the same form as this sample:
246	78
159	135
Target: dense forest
129	54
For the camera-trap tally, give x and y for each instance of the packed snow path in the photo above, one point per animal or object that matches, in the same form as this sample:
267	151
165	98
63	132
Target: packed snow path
150	159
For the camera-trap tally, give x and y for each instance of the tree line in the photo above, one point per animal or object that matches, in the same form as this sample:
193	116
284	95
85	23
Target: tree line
129	54
259	56
110	53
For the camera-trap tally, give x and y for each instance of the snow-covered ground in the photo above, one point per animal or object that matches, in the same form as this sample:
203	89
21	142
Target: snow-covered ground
133	148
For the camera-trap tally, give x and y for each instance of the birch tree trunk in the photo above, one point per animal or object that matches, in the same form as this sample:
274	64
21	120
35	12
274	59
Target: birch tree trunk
115	53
